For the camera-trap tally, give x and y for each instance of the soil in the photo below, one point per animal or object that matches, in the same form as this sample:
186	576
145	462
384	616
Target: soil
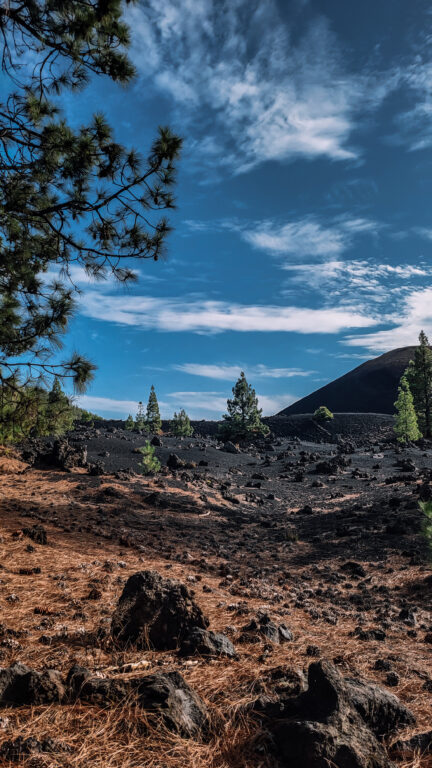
326	537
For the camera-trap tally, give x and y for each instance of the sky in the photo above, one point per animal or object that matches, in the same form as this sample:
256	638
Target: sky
303	232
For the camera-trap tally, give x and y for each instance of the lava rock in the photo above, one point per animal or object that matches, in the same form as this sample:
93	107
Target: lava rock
205	643
323	725
155	612
36	533
21	685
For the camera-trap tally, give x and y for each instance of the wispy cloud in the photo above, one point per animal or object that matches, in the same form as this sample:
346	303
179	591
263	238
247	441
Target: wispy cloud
203	316
200	404
226	372
250	88
415	315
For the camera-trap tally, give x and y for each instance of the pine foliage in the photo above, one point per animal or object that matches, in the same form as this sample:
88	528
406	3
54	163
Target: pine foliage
419	376
150	464
180	424
406	426
153	420
243	419
70	197
140	419
129	423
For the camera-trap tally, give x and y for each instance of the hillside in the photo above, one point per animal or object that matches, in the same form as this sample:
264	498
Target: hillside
369	388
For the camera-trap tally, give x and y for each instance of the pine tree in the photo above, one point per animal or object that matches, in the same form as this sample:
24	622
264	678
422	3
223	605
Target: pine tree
68	195
129	423
419	376
406	426
180	424
150	464
59	414
243	419
140	419
153	420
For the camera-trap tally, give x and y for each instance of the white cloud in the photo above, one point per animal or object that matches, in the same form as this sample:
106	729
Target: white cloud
237	69
106	405
203	316
415	316
205	404
299	238
226	372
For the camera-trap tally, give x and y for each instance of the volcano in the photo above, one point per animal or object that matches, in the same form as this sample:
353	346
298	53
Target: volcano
369	388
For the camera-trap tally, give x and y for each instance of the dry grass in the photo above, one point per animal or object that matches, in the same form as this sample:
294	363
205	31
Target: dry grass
122	737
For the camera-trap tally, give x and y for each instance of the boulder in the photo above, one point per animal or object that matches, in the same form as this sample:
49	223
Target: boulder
230	447
205	643
334	722
165	696
264	628
155	612
21	685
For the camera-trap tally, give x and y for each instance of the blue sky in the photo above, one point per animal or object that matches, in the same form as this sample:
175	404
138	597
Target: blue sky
303	233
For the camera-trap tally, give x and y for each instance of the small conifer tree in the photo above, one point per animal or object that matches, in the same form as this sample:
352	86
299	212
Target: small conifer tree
140	420
243	419
58	416
323	414
180	424
406	426
153	420
129	423
419	376
150	465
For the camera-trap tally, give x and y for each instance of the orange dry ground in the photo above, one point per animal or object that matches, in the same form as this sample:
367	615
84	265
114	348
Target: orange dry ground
70	564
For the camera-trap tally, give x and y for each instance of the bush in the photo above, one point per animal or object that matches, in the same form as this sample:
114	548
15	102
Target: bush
426	507
129	423
180	425
323	414
150	465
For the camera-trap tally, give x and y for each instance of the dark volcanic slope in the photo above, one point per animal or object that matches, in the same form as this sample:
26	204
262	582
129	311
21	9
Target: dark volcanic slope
369	388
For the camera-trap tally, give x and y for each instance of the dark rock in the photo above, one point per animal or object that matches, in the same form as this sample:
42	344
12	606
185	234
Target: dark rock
21	685
174	462
322	728
36	533
264	627
353	569
166	696
382	711
229	447
421	742
14	751
155	612
205	643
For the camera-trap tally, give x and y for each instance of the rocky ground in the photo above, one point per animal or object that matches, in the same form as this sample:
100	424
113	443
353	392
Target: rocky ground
281	618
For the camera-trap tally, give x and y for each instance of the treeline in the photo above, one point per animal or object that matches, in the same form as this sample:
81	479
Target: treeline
414	402
241	422
33	411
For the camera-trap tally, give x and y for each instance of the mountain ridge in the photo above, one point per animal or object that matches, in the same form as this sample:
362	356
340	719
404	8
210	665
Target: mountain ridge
369	388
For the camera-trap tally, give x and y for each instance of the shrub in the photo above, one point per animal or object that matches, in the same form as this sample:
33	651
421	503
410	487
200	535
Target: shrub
150	464
426	507
129	423
323	414
180	425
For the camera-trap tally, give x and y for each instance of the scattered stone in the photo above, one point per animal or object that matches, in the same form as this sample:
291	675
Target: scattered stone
155	612
206	643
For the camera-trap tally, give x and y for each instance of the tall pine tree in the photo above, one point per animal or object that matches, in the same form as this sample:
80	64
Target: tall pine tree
243	419
68	195
419	376
406	426
153	420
